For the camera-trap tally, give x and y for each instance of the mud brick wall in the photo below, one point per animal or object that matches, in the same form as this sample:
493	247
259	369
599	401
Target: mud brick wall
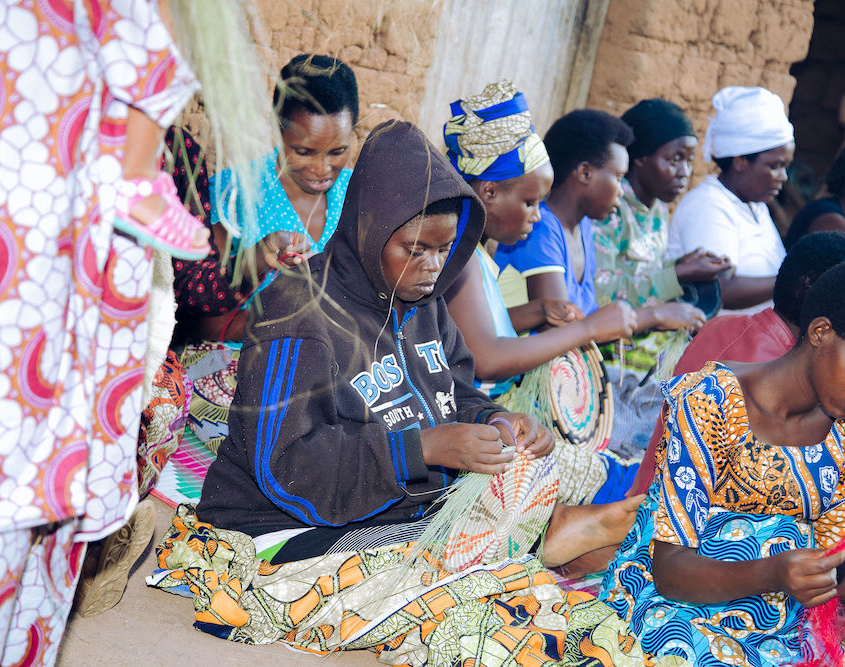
686	50
389	44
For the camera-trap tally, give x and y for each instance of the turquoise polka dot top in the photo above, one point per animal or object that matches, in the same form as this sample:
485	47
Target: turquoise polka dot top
273	211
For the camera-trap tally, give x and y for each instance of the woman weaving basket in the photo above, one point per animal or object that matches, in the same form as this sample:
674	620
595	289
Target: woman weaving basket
491	142
355	410
588	153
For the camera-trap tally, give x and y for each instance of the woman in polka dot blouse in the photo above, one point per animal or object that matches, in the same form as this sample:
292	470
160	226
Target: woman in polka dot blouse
301	195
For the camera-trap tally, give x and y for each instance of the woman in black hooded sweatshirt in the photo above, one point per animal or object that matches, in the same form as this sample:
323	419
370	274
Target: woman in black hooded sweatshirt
355	405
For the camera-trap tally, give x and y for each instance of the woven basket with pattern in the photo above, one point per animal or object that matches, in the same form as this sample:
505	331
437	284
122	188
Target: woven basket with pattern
581	398
507	517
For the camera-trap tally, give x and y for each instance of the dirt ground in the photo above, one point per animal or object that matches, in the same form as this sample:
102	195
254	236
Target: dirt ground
151	627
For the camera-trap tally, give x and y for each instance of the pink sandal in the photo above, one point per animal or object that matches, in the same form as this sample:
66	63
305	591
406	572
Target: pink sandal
172	231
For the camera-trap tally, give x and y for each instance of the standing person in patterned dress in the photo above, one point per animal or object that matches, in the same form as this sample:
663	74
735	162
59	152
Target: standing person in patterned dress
89	87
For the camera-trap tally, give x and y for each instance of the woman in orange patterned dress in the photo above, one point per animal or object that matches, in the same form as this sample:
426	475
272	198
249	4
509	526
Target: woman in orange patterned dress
73	295
729	550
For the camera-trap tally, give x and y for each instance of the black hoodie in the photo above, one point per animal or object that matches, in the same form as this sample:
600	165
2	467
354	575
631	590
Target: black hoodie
322	431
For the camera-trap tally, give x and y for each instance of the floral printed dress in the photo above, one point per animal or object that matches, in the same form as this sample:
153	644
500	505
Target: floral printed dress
73	295
726	494
630	245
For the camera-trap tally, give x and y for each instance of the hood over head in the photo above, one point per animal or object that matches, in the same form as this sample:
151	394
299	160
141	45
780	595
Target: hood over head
398	173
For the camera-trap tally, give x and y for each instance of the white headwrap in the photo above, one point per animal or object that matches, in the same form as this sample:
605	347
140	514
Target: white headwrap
748	120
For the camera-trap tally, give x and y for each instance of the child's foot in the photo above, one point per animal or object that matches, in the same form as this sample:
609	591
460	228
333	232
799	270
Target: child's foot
150	211
578	529
147	210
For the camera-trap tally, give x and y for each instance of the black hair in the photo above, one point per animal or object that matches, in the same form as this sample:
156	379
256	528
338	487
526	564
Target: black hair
442	207
584	135
825	300
318	84
835	180
805	262
724	163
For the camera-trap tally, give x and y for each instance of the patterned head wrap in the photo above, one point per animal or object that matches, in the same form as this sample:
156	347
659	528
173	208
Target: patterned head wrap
748	120
490	135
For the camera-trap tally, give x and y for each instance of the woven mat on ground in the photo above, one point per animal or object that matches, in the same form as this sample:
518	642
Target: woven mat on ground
211	369
182	477
510	613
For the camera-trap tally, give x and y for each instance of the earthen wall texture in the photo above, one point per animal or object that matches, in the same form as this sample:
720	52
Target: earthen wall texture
686	50
389	44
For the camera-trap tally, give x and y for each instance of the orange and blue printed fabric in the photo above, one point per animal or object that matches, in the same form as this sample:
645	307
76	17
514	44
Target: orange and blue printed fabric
162	421
509	613
726	494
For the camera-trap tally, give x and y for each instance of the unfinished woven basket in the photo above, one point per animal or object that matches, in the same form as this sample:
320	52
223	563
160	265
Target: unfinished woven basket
581	398
507	517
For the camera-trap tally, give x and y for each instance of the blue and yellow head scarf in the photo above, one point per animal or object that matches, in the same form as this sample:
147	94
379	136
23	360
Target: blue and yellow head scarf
490	135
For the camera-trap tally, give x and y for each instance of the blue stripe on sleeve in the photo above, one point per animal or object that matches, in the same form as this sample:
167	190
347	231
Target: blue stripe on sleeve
394	456
401	447
397	454
280	373
265	389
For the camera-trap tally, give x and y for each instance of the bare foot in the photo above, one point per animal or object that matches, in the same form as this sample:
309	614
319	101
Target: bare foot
594	561
578	529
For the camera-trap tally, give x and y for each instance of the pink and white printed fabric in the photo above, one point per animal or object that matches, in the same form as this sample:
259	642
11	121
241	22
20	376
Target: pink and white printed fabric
73	296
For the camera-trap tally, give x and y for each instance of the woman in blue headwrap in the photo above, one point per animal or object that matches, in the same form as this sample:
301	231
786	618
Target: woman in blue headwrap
491	142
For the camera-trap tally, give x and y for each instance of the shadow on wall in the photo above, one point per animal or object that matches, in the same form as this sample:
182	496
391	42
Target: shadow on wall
818	103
